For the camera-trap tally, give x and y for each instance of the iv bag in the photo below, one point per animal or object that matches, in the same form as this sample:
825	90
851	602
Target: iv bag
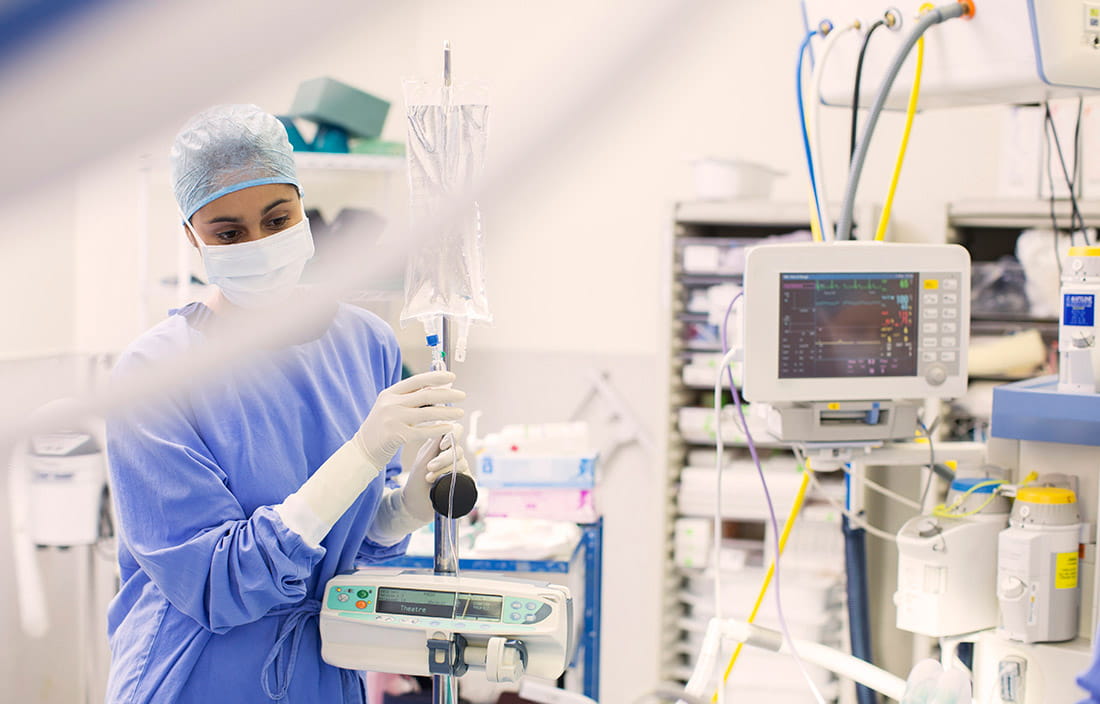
446	155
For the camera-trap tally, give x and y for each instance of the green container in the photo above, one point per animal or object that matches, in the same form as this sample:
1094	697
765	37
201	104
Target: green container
377	146
328	101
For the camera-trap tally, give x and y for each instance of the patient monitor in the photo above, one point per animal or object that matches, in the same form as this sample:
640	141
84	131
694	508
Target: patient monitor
843	340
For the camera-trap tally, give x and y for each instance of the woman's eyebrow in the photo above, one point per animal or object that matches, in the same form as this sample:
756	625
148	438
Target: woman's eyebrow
225	218
275	203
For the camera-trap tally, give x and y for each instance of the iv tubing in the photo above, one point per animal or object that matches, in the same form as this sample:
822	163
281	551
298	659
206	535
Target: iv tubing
795	508
826	222
910	112
933	17
767	498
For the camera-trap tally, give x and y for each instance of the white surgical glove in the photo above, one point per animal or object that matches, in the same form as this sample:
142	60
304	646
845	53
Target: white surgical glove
408	411
404	510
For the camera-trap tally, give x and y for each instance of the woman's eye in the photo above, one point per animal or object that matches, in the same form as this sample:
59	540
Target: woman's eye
279	222
228	236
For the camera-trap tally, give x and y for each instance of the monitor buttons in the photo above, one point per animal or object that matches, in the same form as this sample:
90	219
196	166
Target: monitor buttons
936	375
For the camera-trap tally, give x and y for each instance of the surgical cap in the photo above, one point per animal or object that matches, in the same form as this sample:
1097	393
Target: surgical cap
228	148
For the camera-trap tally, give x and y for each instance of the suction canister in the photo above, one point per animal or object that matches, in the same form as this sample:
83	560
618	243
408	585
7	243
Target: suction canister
1037	572
947	562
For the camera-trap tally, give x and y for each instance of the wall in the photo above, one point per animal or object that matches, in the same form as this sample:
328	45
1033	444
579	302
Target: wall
574	245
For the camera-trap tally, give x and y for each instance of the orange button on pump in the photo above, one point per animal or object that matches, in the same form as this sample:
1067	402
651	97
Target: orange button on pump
360	604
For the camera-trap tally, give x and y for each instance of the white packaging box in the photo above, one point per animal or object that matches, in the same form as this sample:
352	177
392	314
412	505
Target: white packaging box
499	470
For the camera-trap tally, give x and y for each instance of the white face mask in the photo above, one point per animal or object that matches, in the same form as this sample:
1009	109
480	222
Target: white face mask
260	273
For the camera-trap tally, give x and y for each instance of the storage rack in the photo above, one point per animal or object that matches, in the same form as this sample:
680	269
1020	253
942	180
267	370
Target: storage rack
723	223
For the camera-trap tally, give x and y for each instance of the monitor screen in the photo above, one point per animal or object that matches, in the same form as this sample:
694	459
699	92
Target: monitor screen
847	325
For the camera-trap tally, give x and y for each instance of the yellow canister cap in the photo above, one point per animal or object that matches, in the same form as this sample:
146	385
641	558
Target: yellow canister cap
1084	251
1046	494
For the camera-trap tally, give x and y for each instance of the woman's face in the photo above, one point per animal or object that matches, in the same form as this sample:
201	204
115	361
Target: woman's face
247	215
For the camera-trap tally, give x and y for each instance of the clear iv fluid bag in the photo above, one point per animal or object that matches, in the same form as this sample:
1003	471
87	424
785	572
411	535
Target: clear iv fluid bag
446	154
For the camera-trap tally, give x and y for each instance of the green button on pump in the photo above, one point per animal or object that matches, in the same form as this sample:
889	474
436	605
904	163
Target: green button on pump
362	594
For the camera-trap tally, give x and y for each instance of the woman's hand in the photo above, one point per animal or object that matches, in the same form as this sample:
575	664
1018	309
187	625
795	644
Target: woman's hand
434	459
410	411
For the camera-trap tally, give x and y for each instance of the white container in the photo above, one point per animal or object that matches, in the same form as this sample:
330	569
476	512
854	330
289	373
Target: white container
1078	351
1038	585
732	179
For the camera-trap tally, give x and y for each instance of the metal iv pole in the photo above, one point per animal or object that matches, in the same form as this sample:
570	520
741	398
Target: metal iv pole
445	687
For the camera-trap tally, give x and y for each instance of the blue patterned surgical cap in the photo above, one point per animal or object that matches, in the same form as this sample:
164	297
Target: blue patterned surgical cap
228	148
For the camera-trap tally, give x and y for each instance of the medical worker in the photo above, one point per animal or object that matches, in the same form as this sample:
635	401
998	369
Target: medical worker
239	498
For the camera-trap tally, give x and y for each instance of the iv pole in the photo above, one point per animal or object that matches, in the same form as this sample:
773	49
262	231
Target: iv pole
445	687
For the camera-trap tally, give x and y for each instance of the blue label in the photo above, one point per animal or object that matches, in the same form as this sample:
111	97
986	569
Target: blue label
1078	309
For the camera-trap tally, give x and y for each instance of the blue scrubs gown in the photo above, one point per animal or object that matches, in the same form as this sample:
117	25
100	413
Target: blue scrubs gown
219	599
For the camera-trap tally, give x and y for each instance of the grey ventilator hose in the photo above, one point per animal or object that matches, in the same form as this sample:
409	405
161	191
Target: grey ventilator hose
928	19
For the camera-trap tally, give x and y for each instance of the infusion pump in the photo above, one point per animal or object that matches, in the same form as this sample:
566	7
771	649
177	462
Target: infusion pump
419	623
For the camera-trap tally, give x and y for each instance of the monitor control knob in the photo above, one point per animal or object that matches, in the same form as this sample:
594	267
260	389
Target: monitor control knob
935	375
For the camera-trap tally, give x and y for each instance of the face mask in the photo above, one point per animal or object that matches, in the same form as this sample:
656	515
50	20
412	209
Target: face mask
260	273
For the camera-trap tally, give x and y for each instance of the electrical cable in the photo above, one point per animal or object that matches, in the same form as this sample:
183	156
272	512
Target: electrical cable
927	430
1077	221
856	520
859	77
905	501
814	128
815	209
927	20
767	498
910	113
1077	158
796	507
944	511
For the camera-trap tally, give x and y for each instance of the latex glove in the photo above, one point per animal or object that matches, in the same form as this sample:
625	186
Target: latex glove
403	510
402	413
434	459
409	411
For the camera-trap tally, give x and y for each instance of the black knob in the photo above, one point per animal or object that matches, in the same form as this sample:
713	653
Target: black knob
465	495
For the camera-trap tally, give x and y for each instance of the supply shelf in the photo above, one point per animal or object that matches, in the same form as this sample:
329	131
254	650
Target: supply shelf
713	235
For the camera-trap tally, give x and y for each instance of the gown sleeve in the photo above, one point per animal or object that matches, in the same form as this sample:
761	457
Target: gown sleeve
188	532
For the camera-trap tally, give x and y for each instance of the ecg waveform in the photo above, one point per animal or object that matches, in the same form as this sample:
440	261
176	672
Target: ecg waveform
847	325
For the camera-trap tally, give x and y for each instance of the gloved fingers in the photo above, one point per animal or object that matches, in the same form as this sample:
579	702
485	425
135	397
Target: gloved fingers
455	437
419	381
446	458
431	396
429	431
461	467
430	414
